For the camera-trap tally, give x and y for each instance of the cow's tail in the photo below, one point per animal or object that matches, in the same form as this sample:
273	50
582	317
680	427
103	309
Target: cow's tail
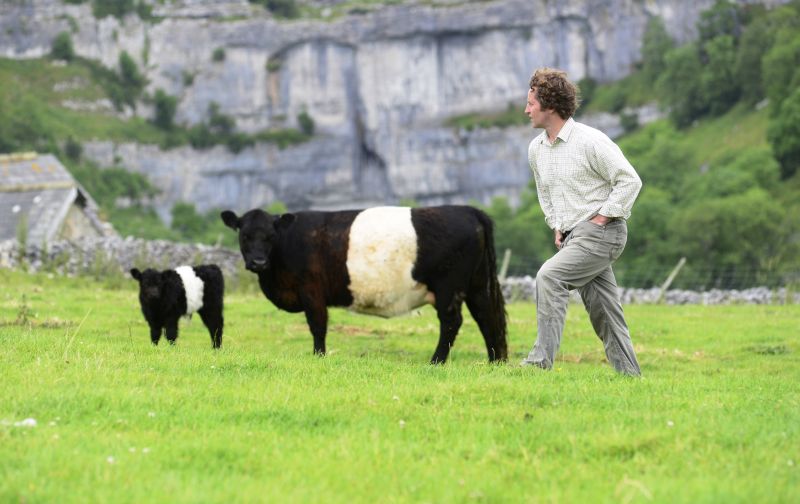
496	316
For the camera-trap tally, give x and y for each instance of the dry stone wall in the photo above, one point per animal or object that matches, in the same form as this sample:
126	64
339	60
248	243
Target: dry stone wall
115	256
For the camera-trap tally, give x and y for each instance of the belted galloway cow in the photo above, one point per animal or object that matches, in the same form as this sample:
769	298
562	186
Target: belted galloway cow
381	261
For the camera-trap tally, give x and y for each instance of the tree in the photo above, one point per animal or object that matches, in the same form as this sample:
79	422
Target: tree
756	41
656	43
187	222
729	241
783	133
720	86
586	89
723	18
781	67
165	106
664	165
650	248
681	87
129	72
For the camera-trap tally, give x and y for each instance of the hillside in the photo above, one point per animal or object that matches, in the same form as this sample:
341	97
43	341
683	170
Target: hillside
375	85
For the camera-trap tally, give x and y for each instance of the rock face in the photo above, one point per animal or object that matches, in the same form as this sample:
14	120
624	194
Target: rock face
379	87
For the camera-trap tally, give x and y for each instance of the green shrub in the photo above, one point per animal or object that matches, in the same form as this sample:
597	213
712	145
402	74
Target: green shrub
306	123
129	72
218	55
115	8
62	47
784	135
280	8
73	150
165	106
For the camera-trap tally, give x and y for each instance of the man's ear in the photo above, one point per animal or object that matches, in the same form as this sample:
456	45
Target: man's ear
135	273
231	220
284	221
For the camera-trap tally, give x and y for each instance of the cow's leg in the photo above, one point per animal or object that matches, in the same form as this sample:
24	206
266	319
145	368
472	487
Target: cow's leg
213	320
155	333
448	308
317	318
172	331
480	308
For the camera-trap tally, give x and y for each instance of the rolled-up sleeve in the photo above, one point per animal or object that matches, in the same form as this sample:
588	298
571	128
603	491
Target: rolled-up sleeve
612	165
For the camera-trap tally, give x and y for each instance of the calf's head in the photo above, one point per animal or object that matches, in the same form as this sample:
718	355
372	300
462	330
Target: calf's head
258	233
150	284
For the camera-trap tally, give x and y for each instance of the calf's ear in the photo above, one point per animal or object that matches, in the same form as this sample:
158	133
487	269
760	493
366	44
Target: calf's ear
284	221
135	273
230	219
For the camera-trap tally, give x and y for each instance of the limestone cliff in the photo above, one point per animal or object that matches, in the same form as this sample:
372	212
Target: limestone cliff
378	85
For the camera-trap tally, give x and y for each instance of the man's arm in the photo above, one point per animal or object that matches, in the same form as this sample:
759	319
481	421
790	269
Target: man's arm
611	164
545	203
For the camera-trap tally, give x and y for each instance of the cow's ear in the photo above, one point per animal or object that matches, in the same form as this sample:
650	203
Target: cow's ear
135	273
231	220
284	221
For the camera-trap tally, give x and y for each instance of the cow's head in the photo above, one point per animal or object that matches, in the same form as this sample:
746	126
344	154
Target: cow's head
258	232
150	284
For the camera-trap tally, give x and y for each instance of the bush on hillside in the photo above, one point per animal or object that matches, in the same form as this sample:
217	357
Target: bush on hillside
115	8
62	47
784	135
165	107
306	123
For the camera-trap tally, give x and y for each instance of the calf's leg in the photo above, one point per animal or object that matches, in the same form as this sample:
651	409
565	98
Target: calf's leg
213	320
172	331
155	333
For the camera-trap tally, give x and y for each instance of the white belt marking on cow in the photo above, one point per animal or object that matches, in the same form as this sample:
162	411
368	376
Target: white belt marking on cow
193	287
380	256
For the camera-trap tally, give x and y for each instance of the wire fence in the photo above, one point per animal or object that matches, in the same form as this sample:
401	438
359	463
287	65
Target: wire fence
691	277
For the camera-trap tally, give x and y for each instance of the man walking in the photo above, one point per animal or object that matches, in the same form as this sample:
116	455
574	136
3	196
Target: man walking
586	189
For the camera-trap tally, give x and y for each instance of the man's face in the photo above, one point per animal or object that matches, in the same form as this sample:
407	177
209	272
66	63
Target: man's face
534	110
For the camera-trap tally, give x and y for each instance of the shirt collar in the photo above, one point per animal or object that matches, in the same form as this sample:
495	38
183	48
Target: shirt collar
566	130
563	134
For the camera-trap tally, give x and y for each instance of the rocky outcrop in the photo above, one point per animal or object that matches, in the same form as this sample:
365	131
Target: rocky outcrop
379	87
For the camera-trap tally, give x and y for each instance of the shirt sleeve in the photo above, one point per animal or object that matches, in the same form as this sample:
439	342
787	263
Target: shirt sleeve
612	165
541	190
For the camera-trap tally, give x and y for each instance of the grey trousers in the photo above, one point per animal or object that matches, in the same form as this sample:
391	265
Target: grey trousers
584	263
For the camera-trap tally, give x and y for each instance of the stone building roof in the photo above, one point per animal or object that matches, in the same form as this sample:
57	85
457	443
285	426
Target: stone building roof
37	190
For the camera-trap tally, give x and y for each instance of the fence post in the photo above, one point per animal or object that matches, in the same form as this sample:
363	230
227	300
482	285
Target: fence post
669	279
504	268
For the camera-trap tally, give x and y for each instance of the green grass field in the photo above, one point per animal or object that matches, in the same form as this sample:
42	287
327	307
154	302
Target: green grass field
716	417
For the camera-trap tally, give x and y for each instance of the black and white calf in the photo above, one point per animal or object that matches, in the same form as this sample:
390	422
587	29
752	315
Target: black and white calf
381	261
166	296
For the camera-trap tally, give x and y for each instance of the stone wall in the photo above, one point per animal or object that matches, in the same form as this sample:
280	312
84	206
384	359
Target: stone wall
524	289
101	257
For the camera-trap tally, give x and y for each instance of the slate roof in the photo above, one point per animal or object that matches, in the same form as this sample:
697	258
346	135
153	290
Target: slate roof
39	189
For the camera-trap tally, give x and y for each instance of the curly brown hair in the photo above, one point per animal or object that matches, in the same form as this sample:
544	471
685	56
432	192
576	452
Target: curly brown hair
554	91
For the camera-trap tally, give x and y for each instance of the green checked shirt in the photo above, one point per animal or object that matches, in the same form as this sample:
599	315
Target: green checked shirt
582	174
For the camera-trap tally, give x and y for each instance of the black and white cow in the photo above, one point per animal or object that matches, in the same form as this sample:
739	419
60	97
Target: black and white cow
166	296
382	261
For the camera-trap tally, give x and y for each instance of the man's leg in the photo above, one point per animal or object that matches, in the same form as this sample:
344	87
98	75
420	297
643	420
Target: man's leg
601	299
571	267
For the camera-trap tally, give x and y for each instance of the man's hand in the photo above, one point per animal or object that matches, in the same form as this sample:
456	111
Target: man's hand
600	220
559	237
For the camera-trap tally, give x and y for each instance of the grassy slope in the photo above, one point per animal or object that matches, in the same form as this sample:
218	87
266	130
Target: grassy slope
716	418
738	129
33	83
